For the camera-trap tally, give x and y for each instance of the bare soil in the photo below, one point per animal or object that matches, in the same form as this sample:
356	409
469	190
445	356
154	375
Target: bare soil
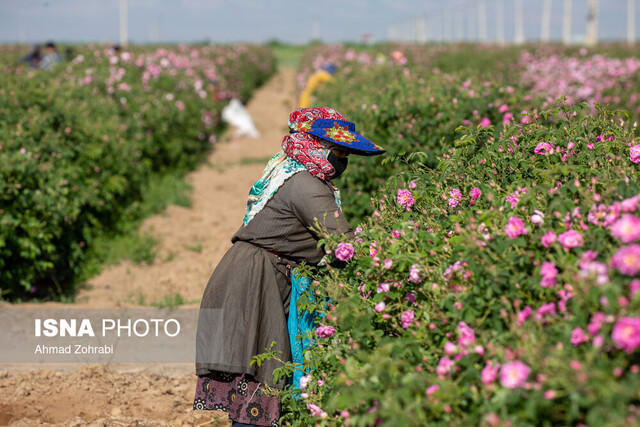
191	243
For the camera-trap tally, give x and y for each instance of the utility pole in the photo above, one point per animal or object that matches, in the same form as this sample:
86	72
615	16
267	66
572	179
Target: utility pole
315	29
592	23
391	34
123	23
422	28
546	21
459	27
631	22
446	26
500	21
154	24
482	21
519	21
566	23
22	33
472	23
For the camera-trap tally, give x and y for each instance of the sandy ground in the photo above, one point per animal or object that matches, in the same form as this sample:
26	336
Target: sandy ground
191	242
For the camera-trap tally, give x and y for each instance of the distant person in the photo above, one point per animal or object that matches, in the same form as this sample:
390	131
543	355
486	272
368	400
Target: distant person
51	56
33	58
317	79
69	54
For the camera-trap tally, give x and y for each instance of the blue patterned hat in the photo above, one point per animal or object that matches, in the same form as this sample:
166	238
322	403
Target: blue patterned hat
332	126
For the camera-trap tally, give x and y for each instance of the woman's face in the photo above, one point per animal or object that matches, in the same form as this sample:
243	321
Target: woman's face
340	152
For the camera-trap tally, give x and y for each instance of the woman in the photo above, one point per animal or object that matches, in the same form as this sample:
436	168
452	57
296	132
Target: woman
245	305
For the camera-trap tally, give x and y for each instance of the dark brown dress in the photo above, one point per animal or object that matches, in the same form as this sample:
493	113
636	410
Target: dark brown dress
246	302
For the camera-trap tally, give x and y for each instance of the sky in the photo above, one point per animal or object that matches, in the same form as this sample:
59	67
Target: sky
257	21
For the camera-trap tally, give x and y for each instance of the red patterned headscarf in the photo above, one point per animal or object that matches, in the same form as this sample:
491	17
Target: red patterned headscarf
308	149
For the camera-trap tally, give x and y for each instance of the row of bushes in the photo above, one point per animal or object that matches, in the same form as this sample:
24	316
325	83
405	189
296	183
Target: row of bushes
495	282
409	98
80	143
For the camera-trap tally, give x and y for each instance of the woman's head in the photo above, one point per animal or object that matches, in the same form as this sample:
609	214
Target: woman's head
333	130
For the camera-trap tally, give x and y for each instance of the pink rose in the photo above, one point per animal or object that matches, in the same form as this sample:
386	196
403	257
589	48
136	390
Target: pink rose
514	374
515	227
467	335
325	331
548	239
450	348
407	319
415	273
570	239
627	260
344	252
476	193
543	148
630	204
523	315
626	334
626	229
316	411
490	372
405	198
432	389
304	381
444	366
548	274
634	153
578	337
455	196
380	307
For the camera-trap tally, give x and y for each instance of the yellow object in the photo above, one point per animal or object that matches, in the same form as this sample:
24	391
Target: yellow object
315	80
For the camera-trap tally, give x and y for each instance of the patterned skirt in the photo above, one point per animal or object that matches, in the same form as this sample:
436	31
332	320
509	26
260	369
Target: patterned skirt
240	395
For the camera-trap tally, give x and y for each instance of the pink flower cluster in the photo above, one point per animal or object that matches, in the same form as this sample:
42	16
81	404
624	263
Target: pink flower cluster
316	411
604	215
544	148
455	196
579	79
548	274
407	318
514	198
570	239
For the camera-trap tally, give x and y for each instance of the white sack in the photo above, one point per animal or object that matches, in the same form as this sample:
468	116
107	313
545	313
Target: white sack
236	115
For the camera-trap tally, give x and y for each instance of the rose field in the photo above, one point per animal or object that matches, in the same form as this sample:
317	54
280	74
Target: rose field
494	274
80	145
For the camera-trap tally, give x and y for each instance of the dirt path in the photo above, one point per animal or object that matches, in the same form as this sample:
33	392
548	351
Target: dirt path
191	242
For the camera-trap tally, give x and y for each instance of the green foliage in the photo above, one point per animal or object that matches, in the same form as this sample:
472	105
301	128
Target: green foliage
81	143
446	283
171	301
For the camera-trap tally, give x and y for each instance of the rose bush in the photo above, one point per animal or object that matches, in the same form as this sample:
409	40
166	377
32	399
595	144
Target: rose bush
78	145
515	305
419	103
